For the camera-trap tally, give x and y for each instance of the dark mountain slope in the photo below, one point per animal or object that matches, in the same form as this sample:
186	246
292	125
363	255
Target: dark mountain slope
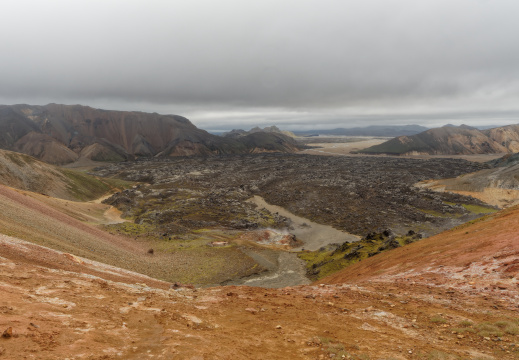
62	134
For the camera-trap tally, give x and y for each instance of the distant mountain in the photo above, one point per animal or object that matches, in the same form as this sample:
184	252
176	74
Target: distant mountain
62	134
452	140
237	133
374	130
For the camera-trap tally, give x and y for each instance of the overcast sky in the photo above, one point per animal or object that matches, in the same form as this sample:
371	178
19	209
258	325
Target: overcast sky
296	64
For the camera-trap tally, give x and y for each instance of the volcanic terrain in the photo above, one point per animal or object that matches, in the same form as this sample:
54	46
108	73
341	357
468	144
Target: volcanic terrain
87	280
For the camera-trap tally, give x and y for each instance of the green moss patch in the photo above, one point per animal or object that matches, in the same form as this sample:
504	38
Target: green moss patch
476	209
327	261
84	187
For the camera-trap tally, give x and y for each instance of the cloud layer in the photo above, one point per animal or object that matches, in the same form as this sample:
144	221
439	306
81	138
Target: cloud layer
293	62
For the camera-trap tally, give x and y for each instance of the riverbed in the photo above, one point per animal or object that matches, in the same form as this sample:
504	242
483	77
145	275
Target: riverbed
284	268
313	235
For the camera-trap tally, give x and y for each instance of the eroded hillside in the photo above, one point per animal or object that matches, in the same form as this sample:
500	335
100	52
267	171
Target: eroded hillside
62	134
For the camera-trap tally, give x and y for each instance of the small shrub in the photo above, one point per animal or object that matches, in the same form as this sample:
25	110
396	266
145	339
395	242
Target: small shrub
488	330
465	323
509	327
463	330
438	320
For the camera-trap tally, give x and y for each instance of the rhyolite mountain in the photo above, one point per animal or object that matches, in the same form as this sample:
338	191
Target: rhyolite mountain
452	140
62	134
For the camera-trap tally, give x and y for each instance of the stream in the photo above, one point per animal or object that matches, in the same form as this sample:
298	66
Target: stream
313	235
284	268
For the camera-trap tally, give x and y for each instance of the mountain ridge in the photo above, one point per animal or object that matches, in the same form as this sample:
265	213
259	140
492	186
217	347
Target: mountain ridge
62	134
452	140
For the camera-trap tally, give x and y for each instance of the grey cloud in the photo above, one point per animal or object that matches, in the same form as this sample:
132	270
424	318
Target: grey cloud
332	59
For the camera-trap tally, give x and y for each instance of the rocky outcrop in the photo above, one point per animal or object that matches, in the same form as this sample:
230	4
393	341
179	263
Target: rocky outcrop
62	134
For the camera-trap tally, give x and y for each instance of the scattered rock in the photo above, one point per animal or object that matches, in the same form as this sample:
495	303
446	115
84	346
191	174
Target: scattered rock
178	286
8	333
218	243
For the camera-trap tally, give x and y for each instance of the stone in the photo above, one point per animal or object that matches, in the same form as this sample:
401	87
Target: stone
8	333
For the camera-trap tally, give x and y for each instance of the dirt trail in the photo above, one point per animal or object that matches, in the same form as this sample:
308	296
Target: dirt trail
112	215
313	235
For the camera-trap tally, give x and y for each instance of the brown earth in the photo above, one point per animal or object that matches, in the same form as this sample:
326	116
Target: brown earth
455	294
484	251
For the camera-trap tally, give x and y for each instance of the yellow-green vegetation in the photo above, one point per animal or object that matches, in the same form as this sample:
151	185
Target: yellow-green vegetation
190	257
326	261
84	187
434	213
207	265
129	229
19	158
473	209
466	323
477	209
437	319
116	184
463	330
489	329
498	328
